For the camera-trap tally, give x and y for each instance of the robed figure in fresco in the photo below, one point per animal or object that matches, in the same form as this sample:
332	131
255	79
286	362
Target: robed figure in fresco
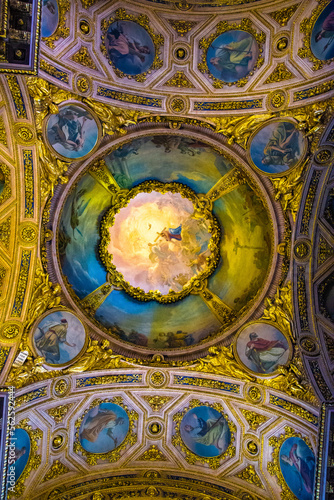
104	419
303	473
212	432
48	343
265	354
327	31
283	146
233	56
69	130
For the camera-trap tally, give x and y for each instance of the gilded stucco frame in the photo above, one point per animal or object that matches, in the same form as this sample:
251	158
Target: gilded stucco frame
34	460
306	27
6	192
36	323
121	201
143	21
274	466
115	454
223	27
192	458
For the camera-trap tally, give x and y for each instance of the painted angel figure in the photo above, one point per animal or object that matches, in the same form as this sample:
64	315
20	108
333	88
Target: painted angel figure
210	432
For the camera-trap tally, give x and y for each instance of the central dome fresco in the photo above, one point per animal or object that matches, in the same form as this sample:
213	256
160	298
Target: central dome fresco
164	243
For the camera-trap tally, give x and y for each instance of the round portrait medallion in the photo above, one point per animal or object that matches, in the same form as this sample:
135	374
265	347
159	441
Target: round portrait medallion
232	55
19	456
50	17
104	428
73	132
205	431
297	464
277	146
59	338
262	347
322	37
129	47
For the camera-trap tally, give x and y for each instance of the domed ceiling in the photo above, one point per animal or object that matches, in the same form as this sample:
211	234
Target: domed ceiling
166	235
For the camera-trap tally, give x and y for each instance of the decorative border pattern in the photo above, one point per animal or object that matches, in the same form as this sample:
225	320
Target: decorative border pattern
143	21
28	183
109	379
116	95
293	408
14	87
307	212
306	27
204	382
53	71
222	27
192	458
226	105
274	466
21	283
121	200
34	460
113	455
7	191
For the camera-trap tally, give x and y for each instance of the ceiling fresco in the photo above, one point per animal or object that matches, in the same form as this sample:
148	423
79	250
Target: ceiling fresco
166	251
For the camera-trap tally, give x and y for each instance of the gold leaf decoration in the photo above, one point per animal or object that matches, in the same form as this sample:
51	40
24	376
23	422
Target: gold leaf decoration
179	80
84	58
182	27
250	475
153	454
5	232
58	413
56	470
254	419
3	135
283	16
279	74
156	402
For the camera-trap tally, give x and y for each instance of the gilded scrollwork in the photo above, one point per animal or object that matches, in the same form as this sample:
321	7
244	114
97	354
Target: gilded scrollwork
279	309
192	458
34	459
113	455
5	179
222	27
97	355
142	20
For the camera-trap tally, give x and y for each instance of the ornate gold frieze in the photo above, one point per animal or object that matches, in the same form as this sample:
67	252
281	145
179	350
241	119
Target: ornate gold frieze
283	16
34	459
57	469
311	193
179	79
254	419
279	74
53	71
152	454
21	283
143	21
192	458
293	408
84	58
28	183
5	231
324	252
156	402
62	31
322	88
5	178
115	454
14	87
250	475
3	134
4	352
3	272
222	27
182	28
29	396
274	466
58	413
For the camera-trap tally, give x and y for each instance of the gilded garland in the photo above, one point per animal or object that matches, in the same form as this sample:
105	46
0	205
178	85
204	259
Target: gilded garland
156	250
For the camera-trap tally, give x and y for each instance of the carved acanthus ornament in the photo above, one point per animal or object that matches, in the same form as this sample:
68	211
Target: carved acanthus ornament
250	475
153	454
56	469
279	74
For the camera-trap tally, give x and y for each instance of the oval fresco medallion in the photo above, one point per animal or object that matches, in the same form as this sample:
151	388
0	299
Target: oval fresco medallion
297	463
104	428
21	453
129	47
205	431
322	37
59	337
50	17
232	55
277	146
162	239
262	348
73	132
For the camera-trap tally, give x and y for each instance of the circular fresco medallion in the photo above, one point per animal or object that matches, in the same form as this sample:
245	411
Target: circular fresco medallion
322	37
277	146
50	17
170	282
59	337
159	241
18	458
129	47
205	431
104	428
73	132
297	463
262	347
232	55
